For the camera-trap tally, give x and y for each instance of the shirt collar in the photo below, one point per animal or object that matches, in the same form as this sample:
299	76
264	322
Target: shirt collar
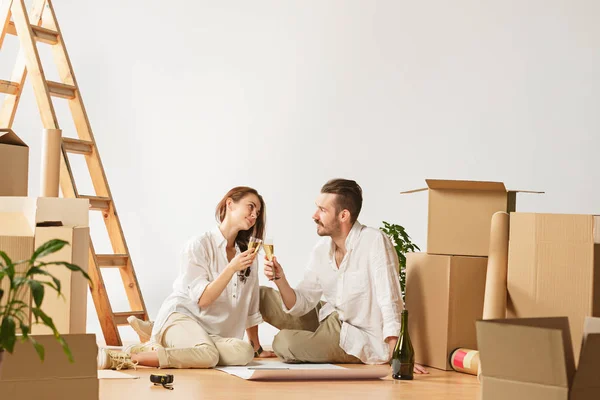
351	239
353	235
218	236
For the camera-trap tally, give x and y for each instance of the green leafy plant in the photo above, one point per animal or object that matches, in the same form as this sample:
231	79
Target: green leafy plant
403	244
15	313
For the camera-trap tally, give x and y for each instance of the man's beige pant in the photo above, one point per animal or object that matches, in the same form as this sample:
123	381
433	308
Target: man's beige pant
303	339
185	344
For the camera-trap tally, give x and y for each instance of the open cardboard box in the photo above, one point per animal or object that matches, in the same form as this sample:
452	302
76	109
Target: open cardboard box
460	214
554	268
23	228
14	164
445	297
532	359
24	376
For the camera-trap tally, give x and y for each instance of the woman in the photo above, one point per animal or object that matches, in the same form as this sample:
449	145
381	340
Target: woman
215	297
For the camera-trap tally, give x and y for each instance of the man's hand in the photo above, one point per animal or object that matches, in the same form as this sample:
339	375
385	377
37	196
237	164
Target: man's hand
392	341
273	269
267	354
419	369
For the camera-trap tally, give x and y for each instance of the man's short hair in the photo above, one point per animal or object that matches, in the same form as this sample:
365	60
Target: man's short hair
349	196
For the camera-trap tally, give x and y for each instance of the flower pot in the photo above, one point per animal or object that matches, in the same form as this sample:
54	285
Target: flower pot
1	355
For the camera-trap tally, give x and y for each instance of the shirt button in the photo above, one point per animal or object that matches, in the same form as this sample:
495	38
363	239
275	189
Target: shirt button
235	284
234	296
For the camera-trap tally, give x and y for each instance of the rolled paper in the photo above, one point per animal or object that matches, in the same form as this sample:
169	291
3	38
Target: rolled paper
51	149
494	303
465	361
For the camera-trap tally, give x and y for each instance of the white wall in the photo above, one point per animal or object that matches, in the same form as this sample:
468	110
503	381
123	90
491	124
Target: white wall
188	99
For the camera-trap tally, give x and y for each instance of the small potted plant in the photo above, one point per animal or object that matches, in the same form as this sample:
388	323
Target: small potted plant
403	244
15	313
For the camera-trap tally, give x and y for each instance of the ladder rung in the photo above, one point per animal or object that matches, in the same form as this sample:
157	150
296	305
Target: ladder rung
97	203
61	90
112	260
78	146
43	35
9	87
121	317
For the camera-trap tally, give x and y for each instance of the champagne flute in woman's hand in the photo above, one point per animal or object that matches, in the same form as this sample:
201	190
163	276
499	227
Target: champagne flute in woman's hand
254	246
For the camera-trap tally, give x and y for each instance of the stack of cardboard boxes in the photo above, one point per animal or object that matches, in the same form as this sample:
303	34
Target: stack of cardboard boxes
445	287
25	224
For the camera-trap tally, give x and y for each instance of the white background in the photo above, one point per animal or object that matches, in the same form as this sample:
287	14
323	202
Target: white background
190	98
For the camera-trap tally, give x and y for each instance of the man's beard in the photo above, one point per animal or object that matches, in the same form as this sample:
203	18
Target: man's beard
328	231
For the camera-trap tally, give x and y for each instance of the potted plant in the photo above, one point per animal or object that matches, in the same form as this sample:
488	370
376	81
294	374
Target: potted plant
15	313
403	244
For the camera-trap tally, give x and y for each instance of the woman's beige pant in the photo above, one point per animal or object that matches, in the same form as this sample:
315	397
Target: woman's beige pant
185	344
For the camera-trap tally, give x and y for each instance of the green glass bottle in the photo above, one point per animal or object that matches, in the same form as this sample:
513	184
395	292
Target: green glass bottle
403	359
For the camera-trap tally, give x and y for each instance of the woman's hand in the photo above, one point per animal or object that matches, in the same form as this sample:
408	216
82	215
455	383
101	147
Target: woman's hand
242	261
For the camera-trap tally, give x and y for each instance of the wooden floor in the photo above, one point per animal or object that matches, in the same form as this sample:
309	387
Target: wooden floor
212	384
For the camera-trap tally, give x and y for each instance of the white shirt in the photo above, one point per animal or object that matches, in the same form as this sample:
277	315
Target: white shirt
365	291
236	309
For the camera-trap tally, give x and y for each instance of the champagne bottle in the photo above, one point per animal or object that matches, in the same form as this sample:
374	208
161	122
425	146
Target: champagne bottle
403	359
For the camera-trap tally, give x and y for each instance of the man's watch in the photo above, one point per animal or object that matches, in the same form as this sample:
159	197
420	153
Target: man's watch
258	351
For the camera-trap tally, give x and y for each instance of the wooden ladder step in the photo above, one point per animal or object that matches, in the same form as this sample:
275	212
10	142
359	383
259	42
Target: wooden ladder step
62	90
78	146
112	260
121	317
9	87
98	203
40	34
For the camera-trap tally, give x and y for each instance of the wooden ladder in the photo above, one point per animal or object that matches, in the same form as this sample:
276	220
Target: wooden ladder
40	25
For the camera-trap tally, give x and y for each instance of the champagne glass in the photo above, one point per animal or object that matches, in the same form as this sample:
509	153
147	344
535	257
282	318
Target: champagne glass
253	245
269	249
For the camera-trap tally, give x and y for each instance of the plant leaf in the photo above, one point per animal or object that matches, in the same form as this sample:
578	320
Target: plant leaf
38	271
37	291
6	258
72	267
7	334
38	348
51	246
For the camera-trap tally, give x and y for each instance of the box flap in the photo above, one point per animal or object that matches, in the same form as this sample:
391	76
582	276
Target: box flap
7	136
589	363
14	224
414	191
17	216
535	350
465	185
525	191
71	212
591	325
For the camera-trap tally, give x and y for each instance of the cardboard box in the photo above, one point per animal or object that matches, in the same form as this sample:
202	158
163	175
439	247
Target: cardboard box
24	376
22	229
14	164
554	268
532	359
444	298
460	214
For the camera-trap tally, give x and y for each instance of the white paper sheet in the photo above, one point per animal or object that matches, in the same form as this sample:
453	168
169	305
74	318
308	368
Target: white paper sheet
110	374
275	370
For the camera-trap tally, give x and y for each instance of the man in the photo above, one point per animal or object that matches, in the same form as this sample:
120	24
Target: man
355	268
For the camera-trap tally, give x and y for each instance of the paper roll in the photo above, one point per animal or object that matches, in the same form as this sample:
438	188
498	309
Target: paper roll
465	360
494	303
51	151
